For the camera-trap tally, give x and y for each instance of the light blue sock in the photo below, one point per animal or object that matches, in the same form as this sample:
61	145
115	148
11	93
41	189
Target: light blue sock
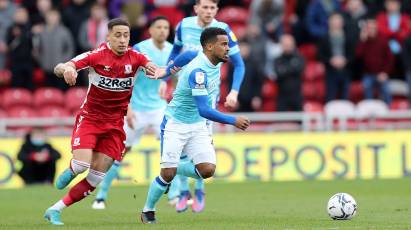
184	183
156	190
199	184
108	179
187	168
174	188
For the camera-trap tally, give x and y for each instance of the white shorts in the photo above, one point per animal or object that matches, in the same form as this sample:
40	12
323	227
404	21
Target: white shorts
194	140
143	121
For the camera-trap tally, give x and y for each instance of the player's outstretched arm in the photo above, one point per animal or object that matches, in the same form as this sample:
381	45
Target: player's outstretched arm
67	71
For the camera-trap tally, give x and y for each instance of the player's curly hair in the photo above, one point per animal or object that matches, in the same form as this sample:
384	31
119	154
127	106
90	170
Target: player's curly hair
210	34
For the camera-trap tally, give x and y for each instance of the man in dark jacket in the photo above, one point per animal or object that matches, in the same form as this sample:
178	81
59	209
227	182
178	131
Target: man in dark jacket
336	51
289	68
38	158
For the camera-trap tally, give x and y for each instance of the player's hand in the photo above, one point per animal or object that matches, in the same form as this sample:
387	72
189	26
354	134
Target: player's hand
231	99
162	90
242	122
151	69
59	70
70	76
160	73
130	119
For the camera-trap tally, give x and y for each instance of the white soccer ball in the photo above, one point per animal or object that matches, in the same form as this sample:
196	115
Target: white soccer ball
342	206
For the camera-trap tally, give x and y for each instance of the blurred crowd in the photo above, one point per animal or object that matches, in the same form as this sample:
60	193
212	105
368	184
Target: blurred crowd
294	50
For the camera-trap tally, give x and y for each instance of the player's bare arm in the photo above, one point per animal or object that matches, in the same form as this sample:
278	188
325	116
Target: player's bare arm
67	71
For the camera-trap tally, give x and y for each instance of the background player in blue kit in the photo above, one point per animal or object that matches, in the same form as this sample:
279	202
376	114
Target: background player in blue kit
146	107
184	128
187	38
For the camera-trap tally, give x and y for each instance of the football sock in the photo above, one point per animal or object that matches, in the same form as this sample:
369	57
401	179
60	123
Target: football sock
83	188
108	179
187	168
174	190
199	184
156	190
78	167
184	186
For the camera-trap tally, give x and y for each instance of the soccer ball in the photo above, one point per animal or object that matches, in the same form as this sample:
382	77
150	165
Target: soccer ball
342	206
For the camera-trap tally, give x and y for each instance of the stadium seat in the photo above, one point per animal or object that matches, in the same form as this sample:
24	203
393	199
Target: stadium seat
233	15
339	108
308	51
400	105
21	112
398	88
269	105
48	96
5	77
270	89
16	97
53	111
371	107
313	91
174	15
313	71
356	93
313	107
3	114
74	98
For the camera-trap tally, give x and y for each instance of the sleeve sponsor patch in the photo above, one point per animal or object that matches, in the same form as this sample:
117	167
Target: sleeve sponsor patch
232	36
199	78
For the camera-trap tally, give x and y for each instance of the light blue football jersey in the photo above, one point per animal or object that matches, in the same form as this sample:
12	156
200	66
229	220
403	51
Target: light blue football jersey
183	107
145	95
188	34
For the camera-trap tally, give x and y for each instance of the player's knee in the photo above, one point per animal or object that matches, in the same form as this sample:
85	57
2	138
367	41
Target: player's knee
78	167
206	170
168	174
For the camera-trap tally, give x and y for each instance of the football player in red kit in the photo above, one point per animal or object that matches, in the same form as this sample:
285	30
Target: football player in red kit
98	136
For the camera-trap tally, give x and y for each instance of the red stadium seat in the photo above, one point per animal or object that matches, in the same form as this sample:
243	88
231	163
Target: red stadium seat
314	91
270	89
16	97
313	107
74	98
48	96
233	15
53	111
21	112
3	114
173	14
308	51
313	71
269	105
356	91
400	105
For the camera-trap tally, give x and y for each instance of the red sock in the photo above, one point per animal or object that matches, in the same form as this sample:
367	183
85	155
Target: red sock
78	192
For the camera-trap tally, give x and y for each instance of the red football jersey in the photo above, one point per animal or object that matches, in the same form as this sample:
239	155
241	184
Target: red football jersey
111	81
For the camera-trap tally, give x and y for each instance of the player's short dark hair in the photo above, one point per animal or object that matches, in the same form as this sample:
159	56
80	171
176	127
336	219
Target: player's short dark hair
215	1
117	22
157	18
210	34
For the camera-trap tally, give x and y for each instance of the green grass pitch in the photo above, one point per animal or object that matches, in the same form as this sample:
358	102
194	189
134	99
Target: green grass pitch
382	204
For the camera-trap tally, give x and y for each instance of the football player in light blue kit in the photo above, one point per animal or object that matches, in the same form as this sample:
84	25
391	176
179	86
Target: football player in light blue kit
187	38
184	128
146	107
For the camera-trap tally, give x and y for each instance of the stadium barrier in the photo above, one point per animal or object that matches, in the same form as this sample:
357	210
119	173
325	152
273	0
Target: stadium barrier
260	156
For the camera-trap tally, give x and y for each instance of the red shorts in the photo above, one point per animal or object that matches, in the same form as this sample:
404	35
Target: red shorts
107	137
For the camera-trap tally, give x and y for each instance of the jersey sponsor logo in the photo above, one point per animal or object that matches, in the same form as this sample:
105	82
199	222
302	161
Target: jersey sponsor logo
76	141
128	69
115	84
192	47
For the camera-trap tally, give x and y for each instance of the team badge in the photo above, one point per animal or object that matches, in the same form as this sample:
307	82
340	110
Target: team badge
200	78
106	68
128	69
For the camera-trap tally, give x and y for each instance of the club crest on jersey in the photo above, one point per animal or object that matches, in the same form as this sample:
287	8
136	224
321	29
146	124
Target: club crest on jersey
199	78
128	69
106	68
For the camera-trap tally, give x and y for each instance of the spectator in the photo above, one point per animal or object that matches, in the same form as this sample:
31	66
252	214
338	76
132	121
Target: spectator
56	45
254	55
317	15
19	42
374	53
74	15
7	10
38	158
336	51
394	25
354	18
289	67
94	31
407	63
42	7
268	14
